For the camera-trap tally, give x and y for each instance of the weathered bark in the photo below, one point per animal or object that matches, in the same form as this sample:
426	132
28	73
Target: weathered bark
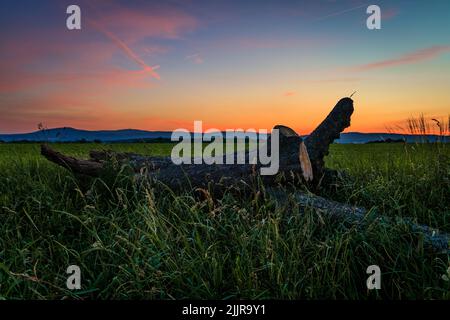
219	176
303	158
298	158
136	161
318	142
90	168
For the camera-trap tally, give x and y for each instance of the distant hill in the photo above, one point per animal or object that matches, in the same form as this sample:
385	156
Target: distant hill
131	135
358	137
71	135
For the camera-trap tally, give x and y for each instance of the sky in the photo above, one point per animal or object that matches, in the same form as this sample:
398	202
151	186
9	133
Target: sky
161	65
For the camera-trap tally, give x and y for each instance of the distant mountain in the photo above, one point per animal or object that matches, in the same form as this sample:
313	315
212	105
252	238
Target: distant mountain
132	135
71	134
358	137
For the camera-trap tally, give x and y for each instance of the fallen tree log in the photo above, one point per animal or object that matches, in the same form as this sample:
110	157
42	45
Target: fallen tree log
303	158
87	167
433	240
300	160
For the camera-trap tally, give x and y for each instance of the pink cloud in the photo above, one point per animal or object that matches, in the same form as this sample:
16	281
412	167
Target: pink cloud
80	110
409	58
104	78
150	21
44	56
127	50
124	26
289	93
389	13
39	61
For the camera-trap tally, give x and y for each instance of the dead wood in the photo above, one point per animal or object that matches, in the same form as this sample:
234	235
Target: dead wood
433	239
303	158
299	159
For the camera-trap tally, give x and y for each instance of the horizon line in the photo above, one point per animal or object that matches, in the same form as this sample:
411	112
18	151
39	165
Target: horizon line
203	132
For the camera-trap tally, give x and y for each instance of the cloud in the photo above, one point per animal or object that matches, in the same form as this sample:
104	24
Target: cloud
149	21
51	58
389	13
130	53
125	27
408	58
386	14
102	80
79	109
289	94
341	12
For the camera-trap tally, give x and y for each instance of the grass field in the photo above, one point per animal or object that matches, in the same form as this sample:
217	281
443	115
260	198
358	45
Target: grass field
146	242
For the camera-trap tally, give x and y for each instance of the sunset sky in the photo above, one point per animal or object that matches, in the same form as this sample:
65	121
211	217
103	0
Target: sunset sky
160	65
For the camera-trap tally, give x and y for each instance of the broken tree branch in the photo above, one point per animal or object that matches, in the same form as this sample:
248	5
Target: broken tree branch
298	157
303	158
90	168
318	142
433	239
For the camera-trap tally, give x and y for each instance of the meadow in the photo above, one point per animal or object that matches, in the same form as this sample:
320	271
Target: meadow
144	241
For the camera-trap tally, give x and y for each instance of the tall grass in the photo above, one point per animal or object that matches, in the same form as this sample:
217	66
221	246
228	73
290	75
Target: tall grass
423	126
144	241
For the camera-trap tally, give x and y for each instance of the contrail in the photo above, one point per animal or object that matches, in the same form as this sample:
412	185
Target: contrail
340	12
127	50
